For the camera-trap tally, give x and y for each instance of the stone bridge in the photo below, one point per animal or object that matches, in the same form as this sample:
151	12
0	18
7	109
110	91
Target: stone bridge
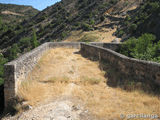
17	70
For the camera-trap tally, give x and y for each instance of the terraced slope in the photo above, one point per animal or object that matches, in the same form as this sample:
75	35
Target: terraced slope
14	14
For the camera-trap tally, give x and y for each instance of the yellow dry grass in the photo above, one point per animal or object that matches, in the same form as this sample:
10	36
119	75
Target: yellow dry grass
59	68
110	103
103	35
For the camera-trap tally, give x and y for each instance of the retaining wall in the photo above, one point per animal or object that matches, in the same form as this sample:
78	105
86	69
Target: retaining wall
17	70
139	70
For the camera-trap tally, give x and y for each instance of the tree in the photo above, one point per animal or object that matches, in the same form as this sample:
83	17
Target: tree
25	42
86	27
0	22
133	27
143	48
13	52
34	41
2	62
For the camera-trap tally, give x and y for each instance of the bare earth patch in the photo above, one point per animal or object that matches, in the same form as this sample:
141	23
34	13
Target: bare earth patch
64	86
11	13
103	35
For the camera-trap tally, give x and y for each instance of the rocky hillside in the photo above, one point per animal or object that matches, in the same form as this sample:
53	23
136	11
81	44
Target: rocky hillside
72	20
55	23
11	13
145	19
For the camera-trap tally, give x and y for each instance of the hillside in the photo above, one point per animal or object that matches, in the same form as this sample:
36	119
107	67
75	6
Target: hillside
56	23
14	14
145	19
68	20
83	21
140	31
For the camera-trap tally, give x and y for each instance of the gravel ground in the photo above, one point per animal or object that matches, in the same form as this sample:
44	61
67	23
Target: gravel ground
61	109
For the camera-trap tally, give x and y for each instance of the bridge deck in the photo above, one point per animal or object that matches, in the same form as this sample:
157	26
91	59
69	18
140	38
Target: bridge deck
64	73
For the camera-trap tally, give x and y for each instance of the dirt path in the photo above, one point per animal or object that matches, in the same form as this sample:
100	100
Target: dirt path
11	13
66	86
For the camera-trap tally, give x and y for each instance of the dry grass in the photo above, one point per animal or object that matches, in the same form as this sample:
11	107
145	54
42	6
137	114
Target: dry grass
109	103
35	92
60	70
55	70
103	35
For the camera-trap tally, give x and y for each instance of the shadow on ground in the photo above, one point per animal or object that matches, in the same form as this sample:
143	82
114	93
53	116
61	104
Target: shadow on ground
116	79
1	99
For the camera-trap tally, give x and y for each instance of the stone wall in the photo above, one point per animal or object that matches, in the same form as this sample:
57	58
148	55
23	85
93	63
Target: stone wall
17	70
139	70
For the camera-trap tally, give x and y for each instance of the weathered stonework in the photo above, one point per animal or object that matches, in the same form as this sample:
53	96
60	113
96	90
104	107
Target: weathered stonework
140	70
17	70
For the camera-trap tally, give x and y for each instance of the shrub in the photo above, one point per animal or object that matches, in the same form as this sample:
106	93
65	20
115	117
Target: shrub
113	1
133	27
128	46
2	62
86	27
25	42
64	34
92	22
89	38
154	6
128	18
1	81
0	22
13	52
120	33
34	40
102	18
143	48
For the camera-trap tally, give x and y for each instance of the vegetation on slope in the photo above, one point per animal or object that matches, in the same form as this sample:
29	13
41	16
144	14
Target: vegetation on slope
24	45
144	48
52	24
56	22
14	14
144	20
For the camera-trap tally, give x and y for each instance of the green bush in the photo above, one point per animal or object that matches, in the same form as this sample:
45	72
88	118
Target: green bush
154	6
133	27
2	62
1	81
86	27
25	42
92	22
120	33
143	48
64	34
13	52
89	38
34	41
0	22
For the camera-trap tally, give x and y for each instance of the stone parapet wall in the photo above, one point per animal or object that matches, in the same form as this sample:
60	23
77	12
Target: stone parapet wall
17	70
139	70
